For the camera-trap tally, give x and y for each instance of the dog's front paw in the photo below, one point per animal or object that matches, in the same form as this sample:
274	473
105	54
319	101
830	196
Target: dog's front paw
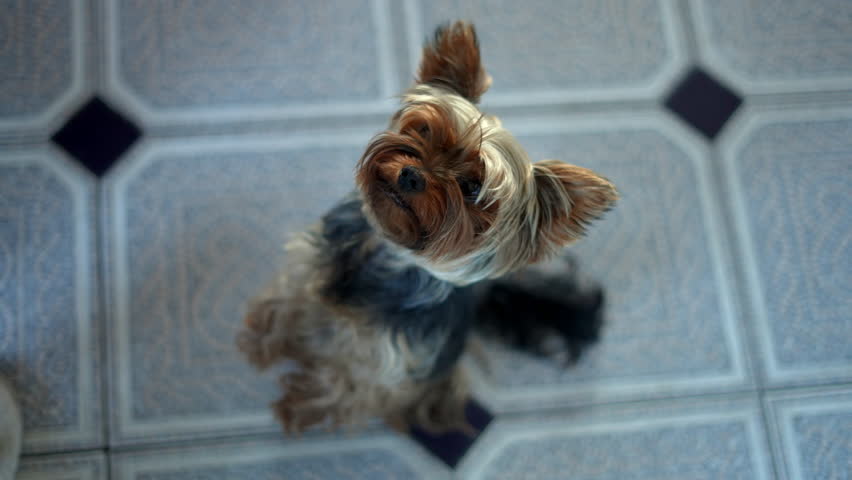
263	339
565	337
547	316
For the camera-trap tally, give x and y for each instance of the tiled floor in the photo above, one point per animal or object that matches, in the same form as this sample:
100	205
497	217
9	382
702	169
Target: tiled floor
729	260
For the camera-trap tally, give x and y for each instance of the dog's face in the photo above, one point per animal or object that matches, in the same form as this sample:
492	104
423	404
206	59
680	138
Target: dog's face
452	187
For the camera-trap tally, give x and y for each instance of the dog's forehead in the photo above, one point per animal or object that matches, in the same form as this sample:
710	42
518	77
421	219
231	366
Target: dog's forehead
462	112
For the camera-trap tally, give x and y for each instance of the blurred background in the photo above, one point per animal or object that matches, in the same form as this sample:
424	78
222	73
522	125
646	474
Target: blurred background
154	154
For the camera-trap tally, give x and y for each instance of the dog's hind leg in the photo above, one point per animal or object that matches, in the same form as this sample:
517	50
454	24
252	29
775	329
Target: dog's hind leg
441	407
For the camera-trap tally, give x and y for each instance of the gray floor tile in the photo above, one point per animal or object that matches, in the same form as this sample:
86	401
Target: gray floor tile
191	227
789	175
777	45
76	466
221	60
812	433
374	457
671	327
675	441
541	51
49	340
41	60
195	229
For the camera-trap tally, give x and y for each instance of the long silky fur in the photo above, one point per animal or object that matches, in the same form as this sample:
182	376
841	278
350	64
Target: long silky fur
377	300
371	338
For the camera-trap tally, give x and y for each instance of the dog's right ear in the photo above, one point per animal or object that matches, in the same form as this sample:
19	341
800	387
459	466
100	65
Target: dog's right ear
569	198
452	60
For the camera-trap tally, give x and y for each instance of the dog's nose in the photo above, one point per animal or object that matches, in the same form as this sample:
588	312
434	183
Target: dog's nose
411	180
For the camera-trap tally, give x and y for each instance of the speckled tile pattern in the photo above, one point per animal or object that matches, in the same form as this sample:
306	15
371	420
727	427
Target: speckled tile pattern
194	60
812	432
537	57
778	45
30	86
727	262
49	339
659	256
371	457
682	441
796	227
41	59
191	239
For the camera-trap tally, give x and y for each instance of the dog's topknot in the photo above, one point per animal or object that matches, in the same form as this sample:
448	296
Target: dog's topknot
455	190
452	60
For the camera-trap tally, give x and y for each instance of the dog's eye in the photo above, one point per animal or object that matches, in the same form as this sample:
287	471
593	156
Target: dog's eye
423	130
469	188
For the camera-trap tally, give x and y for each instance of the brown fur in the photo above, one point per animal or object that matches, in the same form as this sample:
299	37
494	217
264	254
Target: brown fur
452	60
349	370
438	221
588	196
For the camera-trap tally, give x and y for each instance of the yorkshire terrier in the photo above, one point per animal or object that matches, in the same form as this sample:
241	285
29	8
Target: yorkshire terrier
378	299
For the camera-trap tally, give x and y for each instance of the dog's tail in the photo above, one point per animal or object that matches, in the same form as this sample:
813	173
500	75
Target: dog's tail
545	313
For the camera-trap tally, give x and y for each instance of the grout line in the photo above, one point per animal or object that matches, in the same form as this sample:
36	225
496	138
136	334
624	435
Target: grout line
733	393
165	444
67	451
95	48
766	419
735	259
101	317
401	52
775	440
276	436
343	123
104	226
385	56
812	388
107	463
22	140
801	99
686	17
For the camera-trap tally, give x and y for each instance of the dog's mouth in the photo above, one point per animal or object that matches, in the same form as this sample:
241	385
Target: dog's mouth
396	197
388	191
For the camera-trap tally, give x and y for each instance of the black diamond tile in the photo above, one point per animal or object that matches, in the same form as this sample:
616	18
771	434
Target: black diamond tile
703	102
450	447
97	135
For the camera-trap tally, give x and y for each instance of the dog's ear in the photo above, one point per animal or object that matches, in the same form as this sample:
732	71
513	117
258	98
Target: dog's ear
569	198
452	60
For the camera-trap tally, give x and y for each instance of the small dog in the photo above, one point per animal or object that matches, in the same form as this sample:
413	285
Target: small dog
378	299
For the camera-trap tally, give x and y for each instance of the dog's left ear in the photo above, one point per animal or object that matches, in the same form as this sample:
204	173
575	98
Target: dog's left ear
569	198
452	60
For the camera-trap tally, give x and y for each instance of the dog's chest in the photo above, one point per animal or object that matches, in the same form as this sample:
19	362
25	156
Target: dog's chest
425	319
